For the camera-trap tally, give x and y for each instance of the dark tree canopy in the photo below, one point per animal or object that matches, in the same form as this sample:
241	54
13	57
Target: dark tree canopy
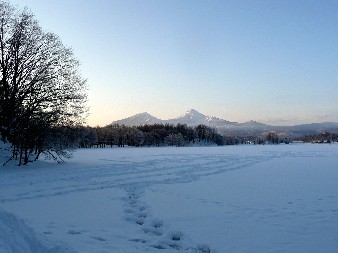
148	135
40	84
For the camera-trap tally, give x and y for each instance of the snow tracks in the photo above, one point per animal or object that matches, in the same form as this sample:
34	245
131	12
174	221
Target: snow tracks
156	234
131	170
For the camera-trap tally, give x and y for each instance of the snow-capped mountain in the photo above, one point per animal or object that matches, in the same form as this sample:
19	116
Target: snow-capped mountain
252	128
190	118
139	119
194	118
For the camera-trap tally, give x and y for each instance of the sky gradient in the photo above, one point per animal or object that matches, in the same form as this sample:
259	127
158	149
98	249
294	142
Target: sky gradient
271	61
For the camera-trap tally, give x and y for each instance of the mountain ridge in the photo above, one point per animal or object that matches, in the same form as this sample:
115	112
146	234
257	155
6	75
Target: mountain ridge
193	118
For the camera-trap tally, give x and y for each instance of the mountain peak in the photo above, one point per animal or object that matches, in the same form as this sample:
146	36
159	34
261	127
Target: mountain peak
191	118
139	120
142	114
191	115
192	111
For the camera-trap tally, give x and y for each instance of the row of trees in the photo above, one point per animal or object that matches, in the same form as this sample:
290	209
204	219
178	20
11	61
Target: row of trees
319	138
165	135
149	135
41	91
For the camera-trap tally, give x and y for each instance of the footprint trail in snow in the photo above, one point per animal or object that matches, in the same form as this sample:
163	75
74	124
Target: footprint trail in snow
155	233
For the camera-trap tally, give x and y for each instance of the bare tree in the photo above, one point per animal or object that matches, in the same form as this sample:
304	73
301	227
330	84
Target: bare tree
272	137
40	84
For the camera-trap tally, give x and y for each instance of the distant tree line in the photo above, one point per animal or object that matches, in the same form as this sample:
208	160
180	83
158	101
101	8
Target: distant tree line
319	138
164	135
259	139
148	135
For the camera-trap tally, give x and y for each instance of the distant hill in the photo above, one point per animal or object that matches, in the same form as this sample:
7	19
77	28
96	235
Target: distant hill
139	119
194	118
190	118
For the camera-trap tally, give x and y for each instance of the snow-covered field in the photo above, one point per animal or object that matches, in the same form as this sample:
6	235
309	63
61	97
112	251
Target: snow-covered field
281	198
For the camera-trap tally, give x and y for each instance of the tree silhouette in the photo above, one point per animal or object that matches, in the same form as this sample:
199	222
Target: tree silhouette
40	85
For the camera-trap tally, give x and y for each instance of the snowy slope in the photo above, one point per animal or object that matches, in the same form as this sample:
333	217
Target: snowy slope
245	198
194	118
139	120
16	236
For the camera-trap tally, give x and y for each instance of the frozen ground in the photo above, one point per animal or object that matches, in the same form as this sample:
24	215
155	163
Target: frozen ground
247	198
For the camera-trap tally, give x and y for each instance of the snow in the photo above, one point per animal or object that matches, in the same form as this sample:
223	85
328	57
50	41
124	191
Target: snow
245	198
190	118
139	119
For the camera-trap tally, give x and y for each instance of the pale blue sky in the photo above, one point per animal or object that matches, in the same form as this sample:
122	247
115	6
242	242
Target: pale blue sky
237	60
